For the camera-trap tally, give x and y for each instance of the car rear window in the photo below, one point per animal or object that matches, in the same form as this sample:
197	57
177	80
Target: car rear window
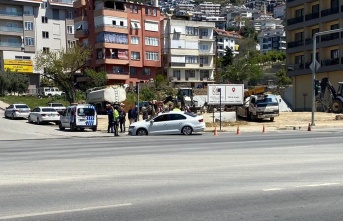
85	111
190	114
57	105
21	106
48	110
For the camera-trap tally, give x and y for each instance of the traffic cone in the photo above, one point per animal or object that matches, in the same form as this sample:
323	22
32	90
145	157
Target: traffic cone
215	131
238	132
263	129
309	127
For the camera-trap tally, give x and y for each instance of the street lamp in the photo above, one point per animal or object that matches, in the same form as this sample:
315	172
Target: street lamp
313	65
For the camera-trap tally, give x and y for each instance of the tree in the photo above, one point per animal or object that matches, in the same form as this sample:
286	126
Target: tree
62	66
160	81
227	59
282	78
13	82
94	79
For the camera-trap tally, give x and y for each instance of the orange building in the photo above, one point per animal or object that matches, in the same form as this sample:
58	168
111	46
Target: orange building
124	36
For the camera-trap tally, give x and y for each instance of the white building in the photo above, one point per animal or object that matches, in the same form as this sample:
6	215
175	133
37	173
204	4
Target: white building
280	11
226	39
27	27
188	52
266	22
272	40
209	9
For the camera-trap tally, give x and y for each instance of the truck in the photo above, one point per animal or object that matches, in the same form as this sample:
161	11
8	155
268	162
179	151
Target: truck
336	104
101	96
258	105
60	108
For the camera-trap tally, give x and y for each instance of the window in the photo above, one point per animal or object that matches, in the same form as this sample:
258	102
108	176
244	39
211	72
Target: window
121	23
44	5
134	40
204	73
22	57
315	8
299	36
147	71
192	30
177	117
135	55
28	26
190	73
112	37
335	53
70	29
191	59
133	71
299	12
44	19
204	47
153	56
154	12
85	111
146	11
203	32
135	25
151	26
56	14
45	34
203	60
151	41
161	118
71	15
134	9
29	41
176	73
118	70
46	50
299	59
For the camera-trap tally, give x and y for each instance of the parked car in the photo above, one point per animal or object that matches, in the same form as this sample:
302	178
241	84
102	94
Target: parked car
80	116
44	114
17	111
49	91
60	108
174	122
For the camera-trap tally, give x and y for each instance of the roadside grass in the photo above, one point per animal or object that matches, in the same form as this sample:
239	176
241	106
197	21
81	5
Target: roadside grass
32	101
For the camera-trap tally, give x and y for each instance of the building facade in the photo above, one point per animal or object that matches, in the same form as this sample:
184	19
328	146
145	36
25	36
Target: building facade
27	27
188	52
272	40
124	37
304	19
226	39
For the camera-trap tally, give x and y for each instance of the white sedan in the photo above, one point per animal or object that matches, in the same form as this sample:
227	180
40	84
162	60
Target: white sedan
44	114
174	122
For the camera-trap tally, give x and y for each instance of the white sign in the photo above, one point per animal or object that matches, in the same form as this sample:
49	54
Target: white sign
231	94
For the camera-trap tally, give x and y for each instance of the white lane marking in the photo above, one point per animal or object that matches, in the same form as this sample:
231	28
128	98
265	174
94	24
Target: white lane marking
63	211
273	189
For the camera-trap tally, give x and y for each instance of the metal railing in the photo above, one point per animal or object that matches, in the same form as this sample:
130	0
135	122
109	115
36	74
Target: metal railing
295	20
10	44
294	44
2	12
10	29
329	11
311	16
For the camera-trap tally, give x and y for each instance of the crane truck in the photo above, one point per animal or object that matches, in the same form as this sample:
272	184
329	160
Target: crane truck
258	105
336	105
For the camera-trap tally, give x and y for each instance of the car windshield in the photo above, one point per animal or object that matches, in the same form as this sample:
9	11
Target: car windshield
21	106
48	110
57	105
85	111
267	101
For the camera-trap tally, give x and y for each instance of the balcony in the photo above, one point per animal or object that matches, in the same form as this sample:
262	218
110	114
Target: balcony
329	62
310	40
175	79
111	28
17	16
5	44
329	11
296	20
109	12
311	16
206	52
68	2
11	31
174	64
329	37
206	37
294	67
81	33
118	76
112	60
294	44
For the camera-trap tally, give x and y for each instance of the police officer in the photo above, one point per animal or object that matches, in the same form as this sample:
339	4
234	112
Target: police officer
115	118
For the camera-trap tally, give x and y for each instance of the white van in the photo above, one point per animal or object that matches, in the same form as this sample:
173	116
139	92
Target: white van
80	116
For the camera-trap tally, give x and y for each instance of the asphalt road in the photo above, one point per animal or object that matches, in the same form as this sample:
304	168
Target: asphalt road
274	176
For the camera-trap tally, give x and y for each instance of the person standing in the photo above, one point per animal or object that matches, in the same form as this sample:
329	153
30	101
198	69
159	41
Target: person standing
130	115
122	116
110	118
116	119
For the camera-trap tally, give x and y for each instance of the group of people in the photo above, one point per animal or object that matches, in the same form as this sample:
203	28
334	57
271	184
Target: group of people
117	115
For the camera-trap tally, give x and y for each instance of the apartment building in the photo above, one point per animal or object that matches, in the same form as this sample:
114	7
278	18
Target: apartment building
30	26
266	22
280	11
272	40
304	19
209	8
188	52
125	37
226	39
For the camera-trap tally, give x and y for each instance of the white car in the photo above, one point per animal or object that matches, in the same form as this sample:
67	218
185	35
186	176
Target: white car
17	111
44	114
174	122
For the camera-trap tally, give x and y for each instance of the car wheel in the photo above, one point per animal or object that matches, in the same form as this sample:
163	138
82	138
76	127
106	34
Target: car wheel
94	129
60	126
142	132
5	114
187	130
29	120
271	119
38	121
252	117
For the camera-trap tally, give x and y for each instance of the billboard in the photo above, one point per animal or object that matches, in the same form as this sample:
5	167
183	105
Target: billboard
20	66
231	94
